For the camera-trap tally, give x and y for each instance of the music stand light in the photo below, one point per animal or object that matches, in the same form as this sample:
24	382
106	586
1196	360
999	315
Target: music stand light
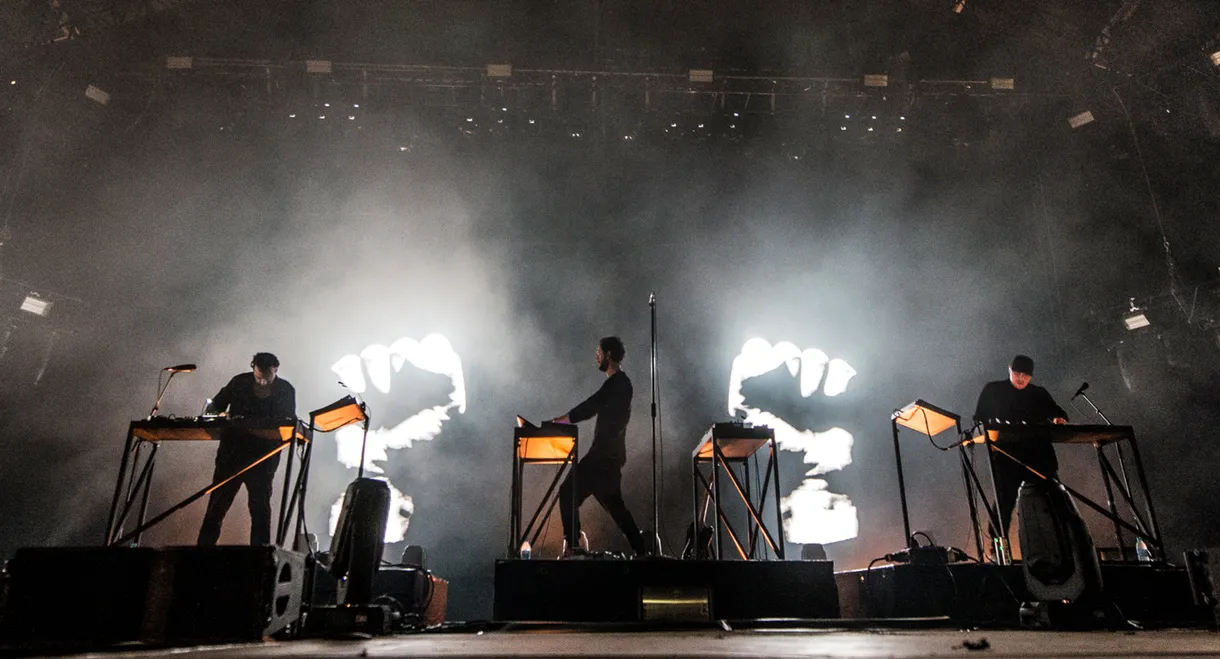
338	414
927	419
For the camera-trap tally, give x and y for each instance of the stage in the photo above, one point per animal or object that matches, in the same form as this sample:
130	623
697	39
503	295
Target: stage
587	641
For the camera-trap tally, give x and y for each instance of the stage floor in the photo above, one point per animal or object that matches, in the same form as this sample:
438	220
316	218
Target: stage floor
713	643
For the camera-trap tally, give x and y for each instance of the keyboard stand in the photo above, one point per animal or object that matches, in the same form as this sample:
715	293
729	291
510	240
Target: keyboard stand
1142	525
131	486
723	446
552	444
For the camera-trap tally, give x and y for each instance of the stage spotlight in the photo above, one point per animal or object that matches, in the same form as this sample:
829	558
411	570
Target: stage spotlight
1078	120
1135	317
1136	321
701	75
35	305
1215	58
959	6
318	66
96	95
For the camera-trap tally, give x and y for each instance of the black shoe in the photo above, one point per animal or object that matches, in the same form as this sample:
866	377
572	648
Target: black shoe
573	553
645	545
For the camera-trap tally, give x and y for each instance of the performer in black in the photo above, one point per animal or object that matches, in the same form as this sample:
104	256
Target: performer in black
256	395
1017	401
600	472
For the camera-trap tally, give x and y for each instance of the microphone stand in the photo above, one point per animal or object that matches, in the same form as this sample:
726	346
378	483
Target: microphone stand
1099	413
1122	463
161	393
656	529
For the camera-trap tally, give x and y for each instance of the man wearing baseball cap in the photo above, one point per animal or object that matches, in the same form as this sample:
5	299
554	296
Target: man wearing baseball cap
1017	401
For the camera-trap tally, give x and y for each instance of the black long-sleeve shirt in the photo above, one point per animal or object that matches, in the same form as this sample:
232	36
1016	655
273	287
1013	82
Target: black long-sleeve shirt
238	398
611	404
1033	405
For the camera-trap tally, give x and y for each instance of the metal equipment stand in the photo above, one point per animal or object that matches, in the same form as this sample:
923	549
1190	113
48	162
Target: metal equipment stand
132	486
723	446
930	420
1144	524
552	444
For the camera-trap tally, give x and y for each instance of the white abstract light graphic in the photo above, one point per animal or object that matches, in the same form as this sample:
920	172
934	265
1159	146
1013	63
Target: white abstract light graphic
433	354
813	514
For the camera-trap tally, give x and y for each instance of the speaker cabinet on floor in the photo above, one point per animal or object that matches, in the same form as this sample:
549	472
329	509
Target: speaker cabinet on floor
96	597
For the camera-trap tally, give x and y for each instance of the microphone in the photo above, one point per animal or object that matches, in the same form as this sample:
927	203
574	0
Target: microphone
652	299
181	368
1080	390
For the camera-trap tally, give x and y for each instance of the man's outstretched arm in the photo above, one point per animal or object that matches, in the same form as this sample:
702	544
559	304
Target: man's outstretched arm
223	398
1056	413
589	408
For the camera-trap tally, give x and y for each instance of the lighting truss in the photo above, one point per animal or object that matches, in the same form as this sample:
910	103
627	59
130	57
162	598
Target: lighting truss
493	84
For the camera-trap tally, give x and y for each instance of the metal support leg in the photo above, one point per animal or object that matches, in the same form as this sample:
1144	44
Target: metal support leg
716	495
995	491
902	488
974	511
138	485
1105	480
779	515
514	503
148	472
303	487
112	523
695	477
1156	528
751	527
281	526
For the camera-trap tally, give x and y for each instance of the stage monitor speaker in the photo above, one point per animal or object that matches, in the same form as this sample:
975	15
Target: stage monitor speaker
83	597
1059	561
224	593
75	596
359	539
1203	572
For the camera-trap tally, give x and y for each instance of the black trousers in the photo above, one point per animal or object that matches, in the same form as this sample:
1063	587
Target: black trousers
1009	475
231	457
603	479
